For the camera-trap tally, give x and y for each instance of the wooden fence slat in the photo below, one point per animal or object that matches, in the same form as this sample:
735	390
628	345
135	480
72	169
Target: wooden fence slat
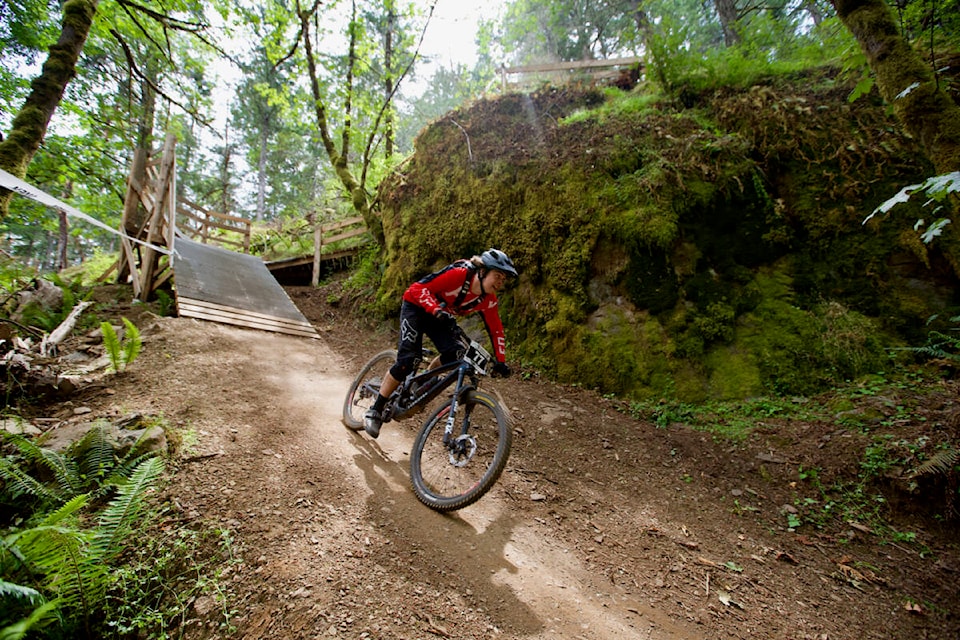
577	64
344	236
326	228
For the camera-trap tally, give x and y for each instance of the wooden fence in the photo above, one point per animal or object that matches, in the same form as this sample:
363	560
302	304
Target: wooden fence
198	223
611	69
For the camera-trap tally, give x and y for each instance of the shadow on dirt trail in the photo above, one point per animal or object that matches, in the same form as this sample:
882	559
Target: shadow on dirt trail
423	545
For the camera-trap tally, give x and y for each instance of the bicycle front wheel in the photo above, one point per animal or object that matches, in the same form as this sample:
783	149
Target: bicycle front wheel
451	475
365	388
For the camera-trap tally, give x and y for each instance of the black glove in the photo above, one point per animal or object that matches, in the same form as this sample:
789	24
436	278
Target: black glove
446	318
501	370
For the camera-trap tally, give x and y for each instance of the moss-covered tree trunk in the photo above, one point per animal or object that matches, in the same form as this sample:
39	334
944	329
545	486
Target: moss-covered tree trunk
905	81
339	159
30	124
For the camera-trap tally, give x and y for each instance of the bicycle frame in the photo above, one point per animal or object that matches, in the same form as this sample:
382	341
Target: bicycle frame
439	379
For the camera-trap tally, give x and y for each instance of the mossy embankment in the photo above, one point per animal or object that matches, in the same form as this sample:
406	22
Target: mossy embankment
706	248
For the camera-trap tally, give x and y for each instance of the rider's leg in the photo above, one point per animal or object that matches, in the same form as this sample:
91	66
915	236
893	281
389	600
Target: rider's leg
409	348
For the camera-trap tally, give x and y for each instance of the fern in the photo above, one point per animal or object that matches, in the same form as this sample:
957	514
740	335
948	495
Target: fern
39	615
18	592
55	557
55	553
127	507
67	478
941	462
112	345
132	342
72	563
95	456
121	354
19	483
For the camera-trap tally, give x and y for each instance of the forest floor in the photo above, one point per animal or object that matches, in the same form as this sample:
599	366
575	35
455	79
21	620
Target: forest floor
603	525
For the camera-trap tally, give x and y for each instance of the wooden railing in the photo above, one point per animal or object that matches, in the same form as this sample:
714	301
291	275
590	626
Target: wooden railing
204	225
349	228
610	69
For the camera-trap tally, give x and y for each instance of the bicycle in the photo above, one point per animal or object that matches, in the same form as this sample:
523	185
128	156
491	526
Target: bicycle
463	446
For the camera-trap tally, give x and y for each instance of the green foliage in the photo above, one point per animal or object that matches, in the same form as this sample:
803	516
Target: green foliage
938	190
686	52
617	105
56	554
941	344
89	272
14	276
166	304
169	567
121	353
736	261
731	421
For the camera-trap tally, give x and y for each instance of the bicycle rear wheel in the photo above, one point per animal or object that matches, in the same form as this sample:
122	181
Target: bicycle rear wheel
446	478
364	389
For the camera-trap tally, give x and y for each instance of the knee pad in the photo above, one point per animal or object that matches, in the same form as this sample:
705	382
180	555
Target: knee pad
401	369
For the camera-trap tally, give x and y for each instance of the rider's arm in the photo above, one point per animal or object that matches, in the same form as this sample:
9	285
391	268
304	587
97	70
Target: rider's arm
491	318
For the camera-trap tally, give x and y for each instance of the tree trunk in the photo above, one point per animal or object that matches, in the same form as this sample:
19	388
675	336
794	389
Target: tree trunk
727	9
30	124
64	237
388	78
64	228
358	195
813	9
261	212
905	81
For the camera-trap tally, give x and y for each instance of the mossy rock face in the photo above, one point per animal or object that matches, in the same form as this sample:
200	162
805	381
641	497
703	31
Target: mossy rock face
710	252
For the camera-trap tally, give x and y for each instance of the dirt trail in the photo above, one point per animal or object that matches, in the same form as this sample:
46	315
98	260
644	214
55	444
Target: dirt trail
332	540
600	527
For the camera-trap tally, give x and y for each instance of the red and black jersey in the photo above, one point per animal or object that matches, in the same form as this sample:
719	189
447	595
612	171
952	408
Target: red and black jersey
449	289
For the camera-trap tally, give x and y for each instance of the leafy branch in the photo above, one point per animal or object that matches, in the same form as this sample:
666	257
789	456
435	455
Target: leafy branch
938	189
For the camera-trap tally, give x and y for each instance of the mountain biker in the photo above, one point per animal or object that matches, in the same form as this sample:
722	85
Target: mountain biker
431	304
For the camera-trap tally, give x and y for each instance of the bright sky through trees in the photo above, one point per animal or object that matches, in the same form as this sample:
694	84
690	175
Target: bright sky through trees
451	36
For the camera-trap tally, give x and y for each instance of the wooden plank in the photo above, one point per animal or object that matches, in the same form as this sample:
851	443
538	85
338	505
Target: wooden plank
317	246
215	307
131	262
224	286
242	322
187	307
148	256
307	259
240	317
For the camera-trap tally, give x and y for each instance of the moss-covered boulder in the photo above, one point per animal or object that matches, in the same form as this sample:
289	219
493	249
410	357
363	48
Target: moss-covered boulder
710	249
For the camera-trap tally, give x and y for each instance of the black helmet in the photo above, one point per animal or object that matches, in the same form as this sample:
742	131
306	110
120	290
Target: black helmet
496	259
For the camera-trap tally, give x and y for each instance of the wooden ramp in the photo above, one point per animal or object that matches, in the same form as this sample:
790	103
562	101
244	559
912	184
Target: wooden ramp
215	284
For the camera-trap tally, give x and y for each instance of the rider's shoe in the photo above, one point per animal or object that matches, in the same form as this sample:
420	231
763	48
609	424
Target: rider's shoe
372	420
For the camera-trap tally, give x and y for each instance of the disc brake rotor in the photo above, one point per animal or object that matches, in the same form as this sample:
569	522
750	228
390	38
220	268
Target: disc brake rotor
462	450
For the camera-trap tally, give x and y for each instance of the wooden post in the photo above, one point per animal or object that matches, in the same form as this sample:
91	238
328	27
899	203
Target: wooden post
172	219
148	256
317	245
136	183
